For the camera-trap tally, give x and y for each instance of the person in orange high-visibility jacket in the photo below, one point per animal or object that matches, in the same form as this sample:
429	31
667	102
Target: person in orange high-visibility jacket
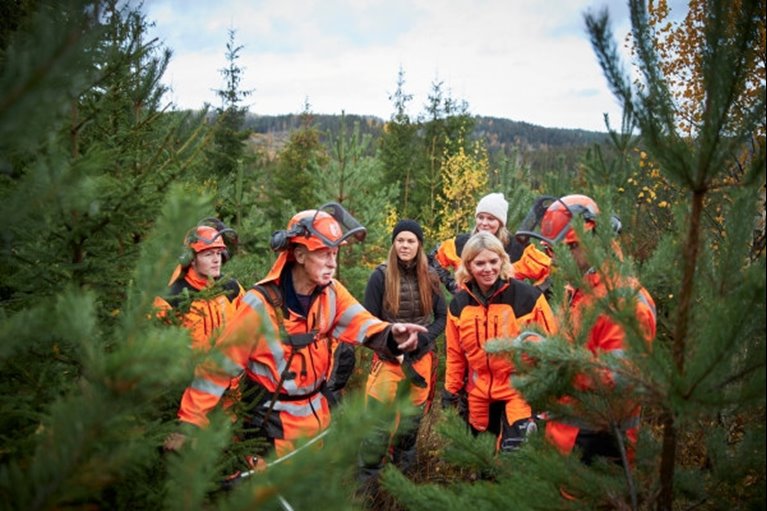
605	337
199	271
198	297
280	336
529	263
491	305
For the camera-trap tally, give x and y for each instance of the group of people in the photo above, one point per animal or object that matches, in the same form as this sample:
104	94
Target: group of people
280	339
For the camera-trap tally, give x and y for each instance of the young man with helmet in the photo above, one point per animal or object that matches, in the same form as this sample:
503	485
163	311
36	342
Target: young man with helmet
198	298
606	336
280	337
197	293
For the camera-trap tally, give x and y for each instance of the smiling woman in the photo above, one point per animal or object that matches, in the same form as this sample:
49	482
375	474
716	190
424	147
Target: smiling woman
490	305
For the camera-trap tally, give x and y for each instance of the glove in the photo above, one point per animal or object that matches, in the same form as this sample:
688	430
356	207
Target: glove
412	375
545	288
331	396
450	400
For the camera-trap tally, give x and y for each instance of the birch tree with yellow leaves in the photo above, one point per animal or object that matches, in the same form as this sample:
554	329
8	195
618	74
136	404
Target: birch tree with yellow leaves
464	178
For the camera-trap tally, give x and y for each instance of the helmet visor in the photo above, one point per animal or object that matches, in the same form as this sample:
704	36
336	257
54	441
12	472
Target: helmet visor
350	227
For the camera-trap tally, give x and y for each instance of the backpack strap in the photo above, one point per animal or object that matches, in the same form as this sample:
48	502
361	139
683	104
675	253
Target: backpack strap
273	295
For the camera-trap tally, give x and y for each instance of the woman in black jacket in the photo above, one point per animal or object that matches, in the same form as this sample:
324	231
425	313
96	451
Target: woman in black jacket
404	289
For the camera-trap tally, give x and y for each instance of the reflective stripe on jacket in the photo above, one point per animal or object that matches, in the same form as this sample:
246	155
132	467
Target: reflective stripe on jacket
251	343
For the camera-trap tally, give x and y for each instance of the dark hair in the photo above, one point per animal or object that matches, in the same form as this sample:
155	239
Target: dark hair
428	284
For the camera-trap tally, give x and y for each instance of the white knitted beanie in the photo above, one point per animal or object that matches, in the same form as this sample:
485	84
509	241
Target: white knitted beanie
495	204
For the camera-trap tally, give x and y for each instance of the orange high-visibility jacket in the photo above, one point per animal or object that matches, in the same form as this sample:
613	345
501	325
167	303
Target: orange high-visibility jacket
528	261
204	317
605	336
513	307
287	355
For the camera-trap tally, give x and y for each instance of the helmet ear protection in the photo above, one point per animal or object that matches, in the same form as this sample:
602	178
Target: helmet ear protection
188	253
559	215
281	238
615	224
228	237
305	227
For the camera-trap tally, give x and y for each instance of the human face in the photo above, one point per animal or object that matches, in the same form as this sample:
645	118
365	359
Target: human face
315	268
485	268
487	222
579	256
406	246
208	262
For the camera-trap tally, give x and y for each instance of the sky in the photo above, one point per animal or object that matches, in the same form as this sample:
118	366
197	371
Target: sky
524	60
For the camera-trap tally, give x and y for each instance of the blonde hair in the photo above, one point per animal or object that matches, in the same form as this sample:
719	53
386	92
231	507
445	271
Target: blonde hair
476	244
503	233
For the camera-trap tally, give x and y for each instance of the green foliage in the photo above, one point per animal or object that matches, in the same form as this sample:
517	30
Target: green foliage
353	179
100	181
292	187
228	155
445	128
398	146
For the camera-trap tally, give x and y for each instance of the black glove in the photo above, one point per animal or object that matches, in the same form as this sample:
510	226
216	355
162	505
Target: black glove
450	400
412	375
331	396
545	288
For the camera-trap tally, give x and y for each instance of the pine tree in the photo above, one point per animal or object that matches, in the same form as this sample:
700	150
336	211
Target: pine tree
300	163
445	125
397	152
353	180
229	158
84	376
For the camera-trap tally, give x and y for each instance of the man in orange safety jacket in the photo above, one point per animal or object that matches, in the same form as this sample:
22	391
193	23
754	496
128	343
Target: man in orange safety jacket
281	335
197	294
199	298
606	337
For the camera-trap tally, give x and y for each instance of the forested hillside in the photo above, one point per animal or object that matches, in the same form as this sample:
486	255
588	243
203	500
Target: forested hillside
101	180
539	147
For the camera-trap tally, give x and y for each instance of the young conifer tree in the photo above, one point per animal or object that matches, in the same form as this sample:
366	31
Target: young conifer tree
397	149
90	155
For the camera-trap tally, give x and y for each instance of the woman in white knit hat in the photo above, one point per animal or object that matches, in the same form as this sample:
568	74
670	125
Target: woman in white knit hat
492	210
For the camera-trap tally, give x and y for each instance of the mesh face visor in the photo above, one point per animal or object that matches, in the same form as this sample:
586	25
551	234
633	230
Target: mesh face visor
204	238
533	218
556	222
350	227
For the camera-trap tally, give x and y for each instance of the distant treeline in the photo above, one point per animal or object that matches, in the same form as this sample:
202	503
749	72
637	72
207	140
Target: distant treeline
537	147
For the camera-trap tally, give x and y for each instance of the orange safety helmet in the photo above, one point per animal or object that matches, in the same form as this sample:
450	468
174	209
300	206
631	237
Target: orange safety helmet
202	237
205	237
328	226
556	224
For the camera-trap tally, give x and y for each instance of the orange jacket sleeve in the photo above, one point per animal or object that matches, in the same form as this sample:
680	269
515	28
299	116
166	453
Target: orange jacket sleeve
534	265
225	361
455	361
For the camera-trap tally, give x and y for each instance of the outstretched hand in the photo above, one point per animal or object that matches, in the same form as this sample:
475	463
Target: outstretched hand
406	335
